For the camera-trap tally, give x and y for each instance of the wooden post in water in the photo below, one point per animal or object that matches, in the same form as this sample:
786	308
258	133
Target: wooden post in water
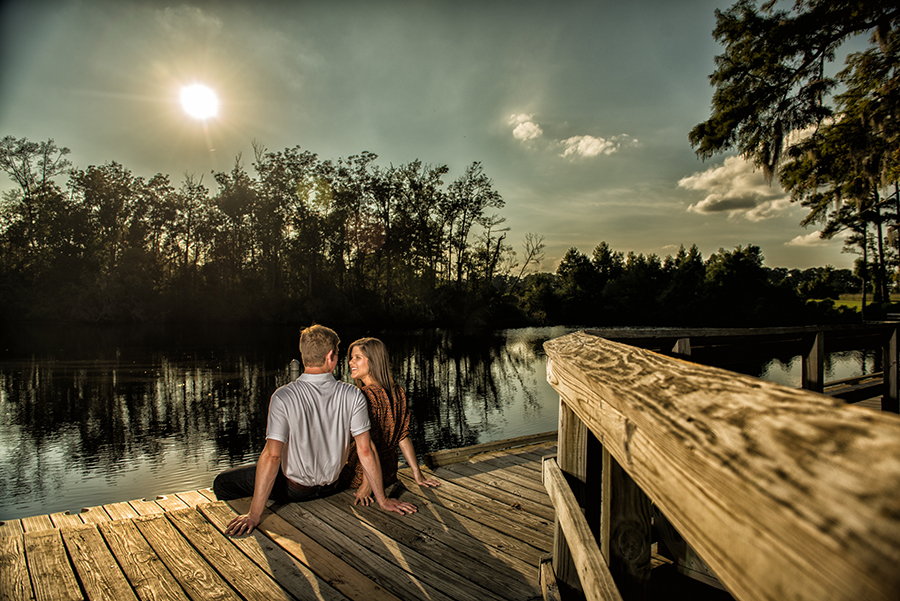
890	399
813	371
295	369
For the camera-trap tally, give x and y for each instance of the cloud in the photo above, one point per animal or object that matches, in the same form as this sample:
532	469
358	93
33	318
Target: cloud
737	189
813	239
586	146
525	129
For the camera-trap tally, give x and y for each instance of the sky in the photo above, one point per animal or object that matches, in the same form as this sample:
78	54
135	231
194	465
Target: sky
578	111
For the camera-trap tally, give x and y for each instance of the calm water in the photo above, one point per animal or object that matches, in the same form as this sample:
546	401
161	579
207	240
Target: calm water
90	416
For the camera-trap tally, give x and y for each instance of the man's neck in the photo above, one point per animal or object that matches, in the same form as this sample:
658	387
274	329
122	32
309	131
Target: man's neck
321	369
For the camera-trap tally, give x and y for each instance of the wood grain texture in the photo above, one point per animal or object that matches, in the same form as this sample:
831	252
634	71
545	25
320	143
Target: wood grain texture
326	565
51	573
293	575
502	574
245	576
752	474
15	584
97	569
197	577
596	580
149	577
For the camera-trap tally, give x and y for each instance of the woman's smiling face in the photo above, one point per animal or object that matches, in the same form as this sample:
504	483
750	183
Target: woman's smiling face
359	365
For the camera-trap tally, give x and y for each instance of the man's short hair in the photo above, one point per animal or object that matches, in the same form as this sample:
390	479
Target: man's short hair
315	343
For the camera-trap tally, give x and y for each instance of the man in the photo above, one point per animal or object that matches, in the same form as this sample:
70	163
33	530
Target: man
308	433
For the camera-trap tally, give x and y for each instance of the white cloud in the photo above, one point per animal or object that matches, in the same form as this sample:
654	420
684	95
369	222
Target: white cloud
737	189
526	129
813	239
586	146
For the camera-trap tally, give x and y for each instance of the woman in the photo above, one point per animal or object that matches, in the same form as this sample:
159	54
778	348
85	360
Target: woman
370	370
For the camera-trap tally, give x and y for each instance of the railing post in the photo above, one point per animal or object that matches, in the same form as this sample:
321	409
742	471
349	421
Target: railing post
682	347
578	456
890	399
625	531
813	371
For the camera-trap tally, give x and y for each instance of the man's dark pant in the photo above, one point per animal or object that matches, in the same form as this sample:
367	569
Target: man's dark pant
238	482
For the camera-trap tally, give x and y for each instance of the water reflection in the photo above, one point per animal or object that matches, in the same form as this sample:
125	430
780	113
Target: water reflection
94	416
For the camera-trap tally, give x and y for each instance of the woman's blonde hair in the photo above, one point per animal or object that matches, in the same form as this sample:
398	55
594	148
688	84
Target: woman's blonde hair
379	363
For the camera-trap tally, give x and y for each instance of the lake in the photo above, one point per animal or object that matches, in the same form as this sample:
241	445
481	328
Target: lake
97	415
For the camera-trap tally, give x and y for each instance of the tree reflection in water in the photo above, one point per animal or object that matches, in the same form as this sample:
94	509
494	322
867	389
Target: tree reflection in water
90	416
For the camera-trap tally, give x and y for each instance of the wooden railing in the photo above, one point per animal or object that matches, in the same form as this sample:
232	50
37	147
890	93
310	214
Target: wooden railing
724	346
783	492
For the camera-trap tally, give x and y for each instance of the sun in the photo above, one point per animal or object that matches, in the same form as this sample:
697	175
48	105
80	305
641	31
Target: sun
199	101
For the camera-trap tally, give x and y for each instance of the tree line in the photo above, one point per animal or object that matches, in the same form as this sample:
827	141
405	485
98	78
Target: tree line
297	236
305	239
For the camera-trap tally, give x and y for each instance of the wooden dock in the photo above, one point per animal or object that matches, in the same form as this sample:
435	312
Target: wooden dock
480	536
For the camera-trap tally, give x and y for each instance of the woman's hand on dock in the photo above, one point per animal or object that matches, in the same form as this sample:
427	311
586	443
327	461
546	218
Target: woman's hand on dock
421	480
242	524
398	506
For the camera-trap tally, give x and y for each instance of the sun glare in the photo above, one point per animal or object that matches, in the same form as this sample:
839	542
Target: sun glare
199	101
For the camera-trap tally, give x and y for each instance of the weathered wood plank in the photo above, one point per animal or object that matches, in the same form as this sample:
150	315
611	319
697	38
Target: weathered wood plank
388	574
291	574
51	573
327	565
171	502
65	519
512	472
37	523
791	470
439	458
250	581
11	528
549	587
97	570
120	511
596	581
94	515
146	507
526	527
149	577
479	525
192	498
493	486
625	531
15	584
423	568
189	568
500	573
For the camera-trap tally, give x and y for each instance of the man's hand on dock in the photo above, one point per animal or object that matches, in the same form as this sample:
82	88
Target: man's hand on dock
242	524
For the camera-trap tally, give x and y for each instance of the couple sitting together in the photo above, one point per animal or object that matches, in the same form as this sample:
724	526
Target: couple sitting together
324	435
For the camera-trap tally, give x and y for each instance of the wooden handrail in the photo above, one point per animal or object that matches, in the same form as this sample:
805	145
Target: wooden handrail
785	493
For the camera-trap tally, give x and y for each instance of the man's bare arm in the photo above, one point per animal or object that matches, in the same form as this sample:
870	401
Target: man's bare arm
266	470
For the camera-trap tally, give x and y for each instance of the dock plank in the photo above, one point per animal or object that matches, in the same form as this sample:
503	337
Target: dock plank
388	574
490	485
245	576
289	572
345	578
146	507
503	574
14	581
11	528
188	567
421	567
37	523
97	570
65	519
528	528
51	573
94	515
120	511
149	577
